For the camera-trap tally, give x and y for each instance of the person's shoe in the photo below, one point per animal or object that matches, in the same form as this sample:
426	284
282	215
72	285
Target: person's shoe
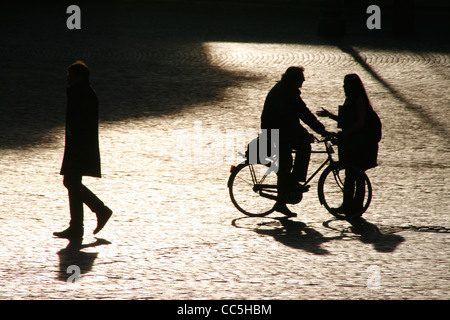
70	233
285	210
102	218
354	211
302	188
349	211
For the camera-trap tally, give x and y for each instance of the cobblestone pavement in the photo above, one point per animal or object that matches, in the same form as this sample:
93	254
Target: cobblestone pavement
171	80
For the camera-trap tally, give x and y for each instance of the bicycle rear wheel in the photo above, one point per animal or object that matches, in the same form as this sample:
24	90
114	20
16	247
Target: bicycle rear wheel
253	189
345	191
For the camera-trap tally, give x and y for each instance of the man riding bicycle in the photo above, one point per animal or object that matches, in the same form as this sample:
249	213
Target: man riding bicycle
283	108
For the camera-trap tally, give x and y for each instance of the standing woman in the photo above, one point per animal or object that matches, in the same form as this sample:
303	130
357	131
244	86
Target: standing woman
358	143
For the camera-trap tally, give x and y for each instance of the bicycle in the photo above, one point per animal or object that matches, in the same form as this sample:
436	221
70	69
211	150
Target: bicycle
254	192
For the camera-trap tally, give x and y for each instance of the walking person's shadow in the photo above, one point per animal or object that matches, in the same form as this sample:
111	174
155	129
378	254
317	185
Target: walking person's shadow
72	259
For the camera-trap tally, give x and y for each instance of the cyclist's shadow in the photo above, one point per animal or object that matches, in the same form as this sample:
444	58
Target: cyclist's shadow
298	235
294	234
371	234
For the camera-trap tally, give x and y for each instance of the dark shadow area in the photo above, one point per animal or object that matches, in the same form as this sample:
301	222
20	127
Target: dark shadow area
371	234
148	58
73	256
428	119
294	234
297	235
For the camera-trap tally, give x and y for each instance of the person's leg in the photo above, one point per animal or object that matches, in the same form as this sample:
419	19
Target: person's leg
284	178
79	195
354	192
91	200
97	206
75	230
349	157
301	163
349	191
354	186
360	192
74	187
284	170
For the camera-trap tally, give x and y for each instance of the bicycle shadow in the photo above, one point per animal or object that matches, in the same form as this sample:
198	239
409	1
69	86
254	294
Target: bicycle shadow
294	234
297	235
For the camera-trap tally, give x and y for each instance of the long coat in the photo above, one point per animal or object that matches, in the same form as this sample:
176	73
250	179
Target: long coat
82	152
356	149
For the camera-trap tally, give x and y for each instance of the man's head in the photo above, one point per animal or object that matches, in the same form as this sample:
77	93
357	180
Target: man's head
294	76
77	72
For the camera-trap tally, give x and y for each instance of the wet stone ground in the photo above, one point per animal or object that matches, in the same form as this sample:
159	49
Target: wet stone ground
178	93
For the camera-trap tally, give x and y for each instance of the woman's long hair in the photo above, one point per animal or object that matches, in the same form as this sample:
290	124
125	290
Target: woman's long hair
358	89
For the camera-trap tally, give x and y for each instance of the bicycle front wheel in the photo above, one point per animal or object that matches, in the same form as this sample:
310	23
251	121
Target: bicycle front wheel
345	191
253	189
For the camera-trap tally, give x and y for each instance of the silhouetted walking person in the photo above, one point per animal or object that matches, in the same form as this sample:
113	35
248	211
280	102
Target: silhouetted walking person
81	153
283	108
358	139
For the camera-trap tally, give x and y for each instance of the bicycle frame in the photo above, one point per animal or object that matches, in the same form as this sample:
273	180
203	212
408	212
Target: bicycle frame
263	182
260	187
328	150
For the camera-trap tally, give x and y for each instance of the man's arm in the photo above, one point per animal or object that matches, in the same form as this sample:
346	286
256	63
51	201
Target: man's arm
310	119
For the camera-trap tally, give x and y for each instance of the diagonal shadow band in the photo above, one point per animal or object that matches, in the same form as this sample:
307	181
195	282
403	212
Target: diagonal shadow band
439	128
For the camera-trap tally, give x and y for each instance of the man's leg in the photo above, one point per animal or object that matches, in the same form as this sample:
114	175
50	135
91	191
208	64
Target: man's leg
301	163
91	200
79	195
284	181
97	206
76	229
